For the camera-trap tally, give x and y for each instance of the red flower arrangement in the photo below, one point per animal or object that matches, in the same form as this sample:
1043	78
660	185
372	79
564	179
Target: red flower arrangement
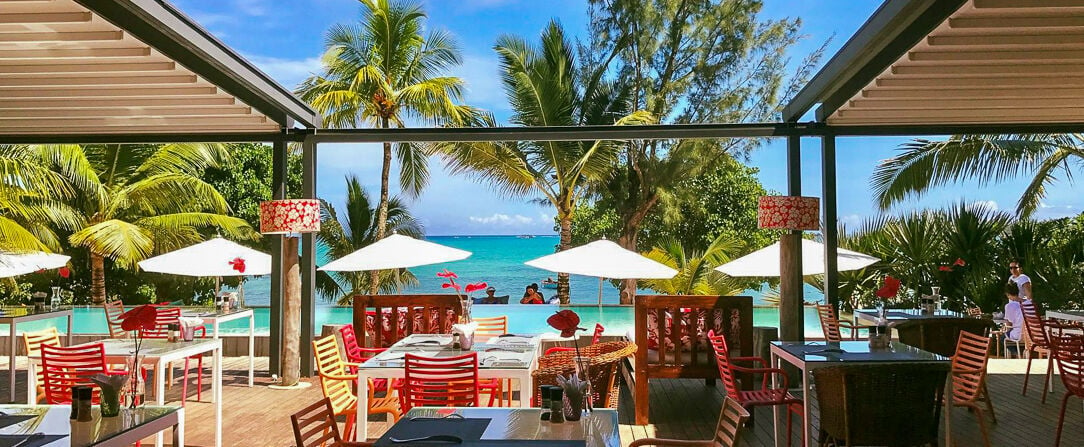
64	272
568	322
450	276
890	288
238	264
138	320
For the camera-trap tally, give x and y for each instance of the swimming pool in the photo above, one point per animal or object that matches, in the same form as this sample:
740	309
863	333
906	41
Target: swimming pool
521	318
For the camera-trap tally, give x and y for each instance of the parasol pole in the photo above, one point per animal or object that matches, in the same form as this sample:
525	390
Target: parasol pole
600	291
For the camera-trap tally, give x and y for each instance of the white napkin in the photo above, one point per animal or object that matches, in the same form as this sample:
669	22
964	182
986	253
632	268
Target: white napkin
187	322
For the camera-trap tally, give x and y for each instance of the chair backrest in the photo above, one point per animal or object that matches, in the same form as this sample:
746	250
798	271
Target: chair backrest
1034	325
939	334
64	368
113	310
974	312
32	340
972	353
598	333
829	322
163	317
726	369
732	418
314	425
440	382
675	329
490	327
329	364
602	370
402	315
1068	350
886	404
354	352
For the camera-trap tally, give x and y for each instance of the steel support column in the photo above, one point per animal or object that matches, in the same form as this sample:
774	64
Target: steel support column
829	222
791	315
278	191
308	260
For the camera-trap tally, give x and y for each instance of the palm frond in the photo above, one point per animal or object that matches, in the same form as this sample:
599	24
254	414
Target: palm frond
123	242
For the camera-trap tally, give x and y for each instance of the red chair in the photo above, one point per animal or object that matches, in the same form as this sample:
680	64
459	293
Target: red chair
440	382
1037	343
357	354
753	398
1069	351
594	341
64	368
172	315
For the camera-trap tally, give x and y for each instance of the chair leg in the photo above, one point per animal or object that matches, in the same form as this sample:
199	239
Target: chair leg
184	384
1027	374
982	426
789	415
1061	420
1048	377
989	403
199	379
348	429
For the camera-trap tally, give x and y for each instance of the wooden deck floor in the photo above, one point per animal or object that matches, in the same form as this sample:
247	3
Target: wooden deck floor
683	409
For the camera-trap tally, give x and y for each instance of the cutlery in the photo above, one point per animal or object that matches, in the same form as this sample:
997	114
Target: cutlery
423	342
34	437
433	438
430	418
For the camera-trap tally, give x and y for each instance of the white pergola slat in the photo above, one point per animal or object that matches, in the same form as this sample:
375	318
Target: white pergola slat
991	61
66	70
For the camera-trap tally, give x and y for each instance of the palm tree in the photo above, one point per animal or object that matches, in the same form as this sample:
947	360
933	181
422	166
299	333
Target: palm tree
32	204
383	72
345	233
696	270
139	200
543	90
925	164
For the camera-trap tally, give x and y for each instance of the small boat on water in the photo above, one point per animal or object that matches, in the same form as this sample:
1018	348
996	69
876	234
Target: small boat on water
526	236
549	284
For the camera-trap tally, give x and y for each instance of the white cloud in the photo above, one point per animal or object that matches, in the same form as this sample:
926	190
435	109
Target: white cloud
852	221
251	7
481	73
990	204
501	219
288	72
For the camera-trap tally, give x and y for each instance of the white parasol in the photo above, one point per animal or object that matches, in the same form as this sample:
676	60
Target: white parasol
217	257
603	259
765	262
15	264
395	252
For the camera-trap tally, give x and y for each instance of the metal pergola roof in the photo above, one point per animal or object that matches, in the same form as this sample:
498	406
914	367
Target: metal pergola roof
952	62
94	68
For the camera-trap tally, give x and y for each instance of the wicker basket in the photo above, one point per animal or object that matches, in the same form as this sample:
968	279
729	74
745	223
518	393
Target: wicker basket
605	359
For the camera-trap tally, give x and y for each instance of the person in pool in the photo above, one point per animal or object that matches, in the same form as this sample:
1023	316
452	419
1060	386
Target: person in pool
531	295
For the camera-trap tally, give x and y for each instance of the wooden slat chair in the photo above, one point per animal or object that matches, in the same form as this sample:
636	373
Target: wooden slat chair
314	426
732	418
419	312
440	382
489	327
337	385
831	326
32	342
676	345
969	378
1036	344
975	312
1069	352
113	310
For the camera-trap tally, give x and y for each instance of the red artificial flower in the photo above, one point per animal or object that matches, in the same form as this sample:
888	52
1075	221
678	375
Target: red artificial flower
142	317
565	321
447	274
450	285
890	289
959	262
476	286
238	264
64	272
945	268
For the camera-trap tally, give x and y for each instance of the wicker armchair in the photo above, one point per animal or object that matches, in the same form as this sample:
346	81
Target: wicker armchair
605	359
894	404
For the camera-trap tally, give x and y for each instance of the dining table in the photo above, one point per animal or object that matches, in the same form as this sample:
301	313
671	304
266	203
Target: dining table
497	427
503	357
870	316
807	356
12	316
1070	315
159	354
51	426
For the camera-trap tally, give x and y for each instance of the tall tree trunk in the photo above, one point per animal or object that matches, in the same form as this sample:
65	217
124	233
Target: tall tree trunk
291	314
565	244
382	208
97	278
630	233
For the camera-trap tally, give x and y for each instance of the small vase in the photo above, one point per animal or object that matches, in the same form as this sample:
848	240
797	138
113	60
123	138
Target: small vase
109	402
137	387
574	403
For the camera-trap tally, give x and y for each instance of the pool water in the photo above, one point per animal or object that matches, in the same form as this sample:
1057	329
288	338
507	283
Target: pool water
521	318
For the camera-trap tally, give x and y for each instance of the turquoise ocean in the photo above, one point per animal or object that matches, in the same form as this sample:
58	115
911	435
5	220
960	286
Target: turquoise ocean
498	261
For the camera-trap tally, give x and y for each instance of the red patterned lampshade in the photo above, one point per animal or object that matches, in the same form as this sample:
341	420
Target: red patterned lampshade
290	216
788	212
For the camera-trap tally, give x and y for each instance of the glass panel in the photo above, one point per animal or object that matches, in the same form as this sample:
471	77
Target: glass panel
54	422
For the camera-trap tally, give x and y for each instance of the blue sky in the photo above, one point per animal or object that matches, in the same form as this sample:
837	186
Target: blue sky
285	38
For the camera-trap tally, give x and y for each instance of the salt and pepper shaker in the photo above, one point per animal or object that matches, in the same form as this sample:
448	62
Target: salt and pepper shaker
173	329
547	402
557	405
81	406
